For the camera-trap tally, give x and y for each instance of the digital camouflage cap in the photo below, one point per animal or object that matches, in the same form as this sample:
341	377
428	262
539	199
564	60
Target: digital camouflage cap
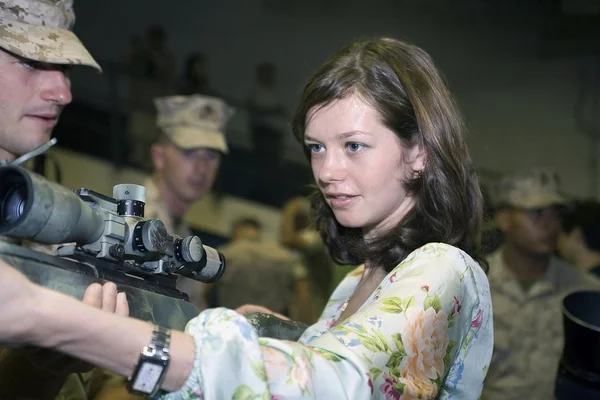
536	188
41	30
194	121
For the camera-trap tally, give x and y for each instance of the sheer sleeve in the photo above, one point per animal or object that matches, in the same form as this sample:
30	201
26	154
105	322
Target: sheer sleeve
420	323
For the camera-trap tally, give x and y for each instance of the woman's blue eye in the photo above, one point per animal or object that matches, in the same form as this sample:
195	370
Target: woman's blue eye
315	148
355	147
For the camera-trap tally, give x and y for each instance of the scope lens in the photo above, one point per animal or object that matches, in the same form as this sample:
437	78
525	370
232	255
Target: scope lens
13	204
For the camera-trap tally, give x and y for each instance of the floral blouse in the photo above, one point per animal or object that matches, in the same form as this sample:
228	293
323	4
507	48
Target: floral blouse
424	333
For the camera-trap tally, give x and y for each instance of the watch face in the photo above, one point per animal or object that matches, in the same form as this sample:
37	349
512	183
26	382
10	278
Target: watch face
147	377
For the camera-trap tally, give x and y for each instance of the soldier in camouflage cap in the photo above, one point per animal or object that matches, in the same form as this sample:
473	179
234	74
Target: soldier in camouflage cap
186	160
527	284
533	189
36	48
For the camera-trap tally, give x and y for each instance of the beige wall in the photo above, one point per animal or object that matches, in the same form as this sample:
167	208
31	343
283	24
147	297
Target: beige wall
209	214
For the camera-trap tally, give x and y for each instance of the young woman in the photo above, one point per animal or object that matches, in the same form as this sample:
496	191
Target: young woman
396	193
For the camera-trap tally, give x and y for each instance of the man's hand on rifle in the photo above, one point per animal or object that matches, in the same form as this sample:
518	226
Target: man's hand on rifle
104	297
17	294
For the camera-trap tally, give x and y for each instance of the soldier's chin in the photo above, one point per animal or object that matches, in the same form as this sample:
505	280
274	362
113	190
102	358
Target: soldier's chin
37	135
30	143
196	194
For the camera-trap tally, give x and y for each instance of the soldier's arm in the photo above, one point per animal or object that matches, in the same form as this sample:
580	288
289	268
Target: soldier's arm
41	373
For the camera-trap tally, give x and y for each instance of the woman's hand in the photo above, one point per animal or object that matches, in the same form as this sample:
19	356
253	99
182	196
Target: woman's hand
252	308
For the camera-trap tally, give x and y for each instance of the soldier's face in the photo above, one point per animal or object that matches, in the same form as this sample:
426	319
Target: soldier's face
32	96
189	174
535	231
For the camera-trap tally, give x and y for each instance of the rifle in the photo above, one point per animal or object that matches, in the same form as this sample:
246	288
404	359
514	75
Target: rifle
107	239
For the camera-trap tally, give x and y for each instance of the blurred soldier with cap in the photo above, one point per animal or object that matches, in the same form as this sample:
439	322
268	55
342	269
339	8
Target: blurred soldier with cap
186	160
528	284
37	50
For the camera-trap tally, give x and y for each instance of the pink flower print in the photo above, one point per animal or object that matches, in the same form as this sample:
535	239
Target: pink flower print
457	307
394	277
198	392
476	323
425	339
370	382
388	388
415	389
425	288
276	364
301	373
330	324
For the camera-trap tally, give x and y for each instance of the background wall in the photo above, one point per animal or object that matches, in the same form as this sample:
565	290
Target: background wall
519	107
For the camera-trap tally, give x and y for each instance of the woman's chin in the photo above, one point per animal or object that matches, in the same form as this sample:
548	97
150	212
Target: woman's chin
349	222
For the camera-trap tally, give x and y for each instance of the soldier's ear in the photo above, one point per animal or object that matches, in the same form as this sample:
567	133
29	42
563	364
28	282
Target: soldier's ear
503	219
157	153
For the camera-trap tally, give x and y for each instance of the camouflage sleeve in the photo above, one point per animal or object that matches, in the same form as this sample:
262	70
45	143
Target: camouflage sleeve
300	271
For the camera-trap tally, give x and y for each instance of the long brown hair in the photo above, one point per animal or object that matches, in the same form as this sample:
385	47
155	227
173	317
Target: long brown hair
402	83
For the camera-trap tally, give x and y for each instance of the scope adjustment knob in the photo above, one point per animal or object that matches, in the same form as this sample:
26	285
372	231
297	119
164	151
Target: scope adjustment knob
189	249
150	236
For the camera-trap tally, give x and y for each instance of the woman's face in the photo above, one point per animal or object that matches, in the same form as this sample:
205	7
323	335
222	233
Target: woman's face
360	165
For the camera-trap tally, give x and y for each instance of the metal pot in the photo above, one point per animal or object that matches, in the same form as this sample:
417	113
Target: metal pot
579	370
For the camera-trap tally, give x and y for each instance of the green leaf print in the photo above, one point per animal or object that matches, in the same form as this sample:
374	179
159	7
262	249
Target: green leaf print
259	370
395	372
375	372
392	305
468	340
448	356
397	338
266	395
450	321
243	392
433	302
395	359
435	251
355	328
372	344
329	355
382	341
399	386
408	302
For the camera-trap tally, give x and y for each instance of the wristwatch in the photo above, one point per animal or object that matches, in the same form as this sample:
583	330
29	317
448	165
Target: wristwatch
152	365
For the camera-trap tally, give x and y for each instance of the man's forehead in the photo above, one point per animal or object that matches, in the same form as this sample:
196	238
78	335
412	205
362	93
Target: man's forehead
196	150
7	55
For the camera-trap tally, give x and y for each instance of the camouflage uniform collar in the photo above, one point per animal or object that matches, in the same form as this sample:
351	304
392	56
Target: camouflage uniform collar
549	282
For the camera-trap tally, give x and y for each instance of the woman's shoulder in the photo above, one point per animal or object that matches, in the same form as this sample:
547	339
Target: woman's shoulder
445	267
432	254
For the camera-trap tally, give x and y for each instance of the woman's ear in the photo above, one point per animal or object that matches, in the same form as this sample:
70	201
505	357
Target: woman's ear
416	158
